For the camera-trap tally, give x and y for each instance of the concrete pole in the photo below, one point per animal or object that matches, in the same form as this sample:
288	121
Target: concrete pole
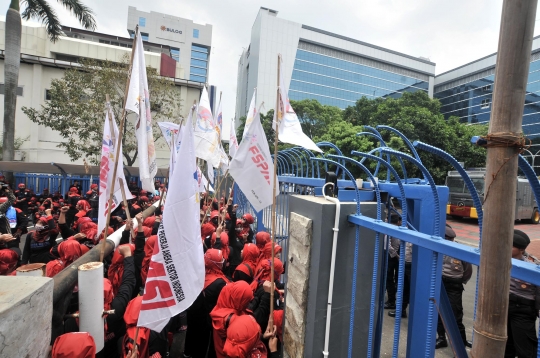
512	69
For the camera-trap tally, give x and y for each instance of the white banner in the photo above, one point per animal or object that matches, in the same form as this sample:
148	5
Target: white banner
168	129
252	167
251	113
290	130
176	273
138	101
218	119
106	168
207	141
203	183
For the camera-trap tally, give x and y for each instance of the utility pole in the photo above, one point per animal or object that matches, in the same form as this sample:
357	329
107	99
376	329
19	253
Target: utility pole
511	72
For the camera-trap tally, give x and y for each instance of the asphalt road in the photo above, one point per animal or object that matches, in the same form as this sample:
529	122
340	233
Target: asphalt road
468	234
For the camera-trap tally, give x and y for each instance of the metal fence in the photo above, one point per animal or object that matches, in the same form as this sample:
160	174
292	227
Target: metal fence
61	183
422	207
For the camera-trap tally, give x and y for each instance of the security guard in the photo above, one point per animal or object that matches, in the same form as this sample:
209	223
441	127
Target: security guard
522	308
455	273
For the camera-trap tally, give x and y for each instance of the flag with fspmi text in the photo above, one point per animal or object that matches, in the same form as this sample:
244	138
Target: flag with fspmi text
176	273
252	167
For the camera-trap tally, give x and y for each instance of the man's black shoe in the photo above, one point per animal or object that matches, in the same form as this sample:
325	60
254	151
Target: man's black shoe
468	344
441	343
393	314
389	305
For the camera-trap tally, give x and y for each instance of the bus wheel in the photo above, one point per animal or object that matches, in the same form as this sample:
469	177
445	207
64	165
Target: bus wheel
535	218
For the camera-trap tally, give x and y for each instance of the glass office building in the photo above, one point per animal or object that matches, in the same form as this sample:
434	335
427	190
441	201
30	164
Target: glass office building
466	92
339	79
317	64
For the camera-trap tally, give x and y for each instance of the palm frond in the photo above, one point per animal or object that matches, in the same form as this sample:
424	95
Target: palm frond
83	13
41	10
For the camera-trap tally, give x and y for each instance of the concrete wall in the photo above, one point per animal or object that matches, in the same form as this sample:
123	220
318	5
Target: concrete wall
25	316
308	266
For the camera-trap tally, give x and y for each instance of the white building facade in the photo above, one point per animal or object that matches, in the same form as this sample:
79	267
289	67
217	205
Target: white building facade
333	69
43	61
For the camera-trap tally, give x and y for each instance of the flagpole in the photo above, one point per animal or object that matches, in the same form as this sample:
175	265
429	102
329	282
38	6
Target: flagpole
128	216
119	141
274	218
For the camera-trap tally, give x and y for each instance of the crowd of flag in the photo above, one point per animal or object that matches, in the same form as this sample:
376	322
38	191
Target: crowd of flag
176	273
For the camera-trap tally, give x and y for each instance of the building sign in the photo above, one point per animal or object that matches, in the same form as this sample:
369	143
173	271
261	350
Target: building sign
168	29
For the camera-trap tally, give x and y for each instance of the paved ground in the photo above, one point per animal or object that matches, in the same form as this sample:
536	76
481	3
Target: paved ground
467	233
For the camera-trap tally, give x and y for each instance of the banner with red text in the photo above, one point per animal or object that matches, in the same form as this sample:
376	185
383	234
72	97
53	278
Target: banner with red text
252	167
176	274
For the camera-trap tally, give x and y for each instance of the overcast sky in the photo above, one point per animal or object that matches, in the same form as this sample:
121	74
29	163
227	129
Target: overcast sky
448	32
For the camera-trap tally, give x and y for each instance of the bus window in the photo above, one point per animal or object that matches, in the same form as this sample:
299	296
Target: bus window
479	185
455	185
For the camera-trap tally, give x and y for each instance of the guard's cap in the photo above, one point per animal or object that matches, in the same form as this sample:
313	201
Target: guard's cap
521	240
449	233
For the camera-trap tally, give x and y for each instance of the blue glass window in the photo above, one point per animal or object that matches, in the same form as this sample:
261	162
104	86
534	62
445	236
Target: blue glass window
144	36
198	55
175	54
198	71
199	48
195	33
142	21
198	63
197	78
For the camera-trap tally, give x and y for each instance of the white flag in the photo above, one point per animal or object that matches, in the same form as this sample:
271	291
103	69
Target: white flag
203	183
218	119
252	167
251	113
210	170
207	141
106	168
138	101
290	130
168	129
176	273
233	142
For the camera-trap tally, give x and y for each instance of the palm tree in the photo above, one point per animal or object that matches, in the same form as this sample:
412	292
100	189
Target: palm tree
39	10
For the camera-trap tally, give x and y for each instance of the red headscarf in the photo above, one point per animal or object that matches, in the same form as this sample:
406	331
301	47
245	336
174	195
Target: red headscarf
69	251
267	250
131	317
90	230
116	270
264	272
84	208
8	261
109	233
45	232
244	339
74	345
73	190
54	267
224	244
207	230
261	239
149	221
148	251
233	300
278	322
250	257
213	264
249	219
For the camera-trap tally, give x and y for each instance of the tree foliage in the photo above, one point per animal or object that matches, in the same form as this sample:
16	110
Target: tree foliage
77	107
415	115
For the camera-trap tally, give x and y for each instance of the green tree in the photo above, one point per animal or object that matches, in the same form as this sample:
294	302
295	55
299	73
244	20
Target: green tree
315	117
77	107
418	117
42	11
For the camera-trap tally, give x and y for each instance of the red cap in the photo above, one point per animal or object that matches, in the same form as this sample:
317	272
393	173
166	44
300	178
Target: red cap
93	186
144	199
21	185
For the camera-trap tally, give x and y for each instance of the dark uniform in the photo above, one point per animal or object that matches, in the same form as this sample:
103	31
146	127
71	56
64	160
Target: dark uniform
456	273
523	307
23	196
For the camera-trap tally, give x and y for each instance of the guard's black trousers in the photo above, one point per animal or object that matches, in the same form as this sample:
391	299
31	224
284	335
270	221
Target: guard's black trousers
392	278
454	290
522	340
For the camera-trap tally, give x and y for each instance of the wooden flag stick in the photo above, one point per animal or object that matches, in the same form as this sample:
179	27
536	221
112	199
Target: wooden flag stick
274	218
128	216
117	143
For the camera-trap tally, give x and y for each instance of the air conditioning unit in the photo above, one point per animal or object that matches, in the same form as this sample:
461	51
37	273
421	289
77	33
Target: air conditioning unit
19	155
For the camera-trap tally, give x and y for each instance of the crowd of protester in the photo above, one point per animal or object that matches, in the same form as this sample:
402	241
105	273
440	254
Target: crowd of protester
229	318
